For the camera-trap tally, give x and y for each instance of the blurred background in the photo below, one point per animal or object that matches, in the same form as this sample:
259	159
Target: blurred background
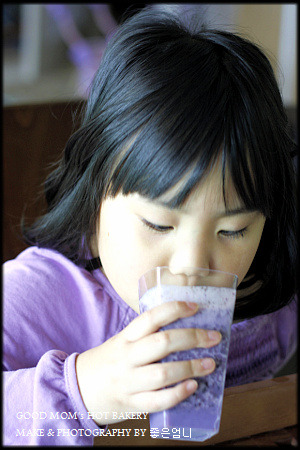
51	51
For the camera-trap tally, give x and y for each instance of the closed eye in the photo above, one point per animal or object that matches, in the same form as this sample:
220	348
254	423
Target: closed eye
233	234
158	228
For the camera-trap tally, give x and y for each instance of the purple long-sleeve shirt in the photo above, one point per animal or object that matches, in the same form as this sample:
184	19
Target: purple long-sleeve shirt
54	310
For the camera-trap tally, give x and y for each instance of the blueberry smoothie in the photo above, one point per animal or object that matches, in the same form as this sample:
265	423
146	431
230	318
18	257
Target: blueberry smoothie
202	410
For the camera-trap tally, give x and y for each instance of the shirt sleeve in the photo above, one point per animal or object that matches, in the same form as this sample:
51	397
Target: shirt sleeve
43	406
43	325
261	346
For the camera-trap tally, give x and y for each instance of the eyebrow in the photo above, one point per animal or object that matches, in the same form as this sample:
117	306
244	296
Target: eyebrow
226	213
236	211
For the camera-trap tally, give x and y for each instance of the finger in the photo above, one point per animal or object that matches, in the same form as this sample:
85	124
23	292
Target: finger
158	345
155	401
153	319
157	376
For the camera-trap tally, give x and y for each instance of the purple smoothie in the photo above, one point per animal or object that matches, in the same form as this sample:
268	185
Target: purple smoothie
201	411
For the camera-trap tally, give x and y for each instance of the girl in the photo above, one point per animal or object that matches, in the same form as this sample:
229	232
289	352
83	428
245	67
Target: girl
183	158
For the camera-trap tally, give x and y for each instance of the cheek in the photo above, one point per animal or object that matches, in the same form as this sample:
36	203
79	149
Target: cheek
245	259
123	255
243	266
113	245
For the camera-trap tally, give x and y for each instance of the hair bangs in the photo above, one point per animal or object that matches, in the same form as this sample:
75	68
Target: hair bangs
247	154
164	153
167	152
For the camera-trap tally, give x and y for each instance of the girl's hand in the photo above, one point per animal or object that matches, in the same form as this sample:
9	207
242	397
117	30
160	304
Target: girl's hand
122	374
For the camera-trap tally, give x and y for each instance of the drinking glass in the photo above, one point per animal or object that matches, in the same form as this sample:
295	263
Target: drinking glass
197	417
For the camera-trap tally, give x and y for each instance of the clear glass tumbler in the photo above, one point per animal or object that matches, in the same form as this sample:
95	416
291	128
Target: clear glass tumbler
198	417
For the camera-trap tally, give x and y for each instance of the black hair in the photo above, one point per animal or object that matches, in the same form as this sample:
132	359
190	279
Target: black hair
165	102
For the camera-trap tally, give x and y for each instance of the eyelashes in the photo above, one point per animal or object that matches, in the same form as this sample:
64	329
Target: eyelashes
158	228
164	229
234	234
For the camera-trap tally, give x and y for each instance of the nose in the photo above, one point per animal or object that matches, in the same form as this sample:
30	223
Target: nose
191	254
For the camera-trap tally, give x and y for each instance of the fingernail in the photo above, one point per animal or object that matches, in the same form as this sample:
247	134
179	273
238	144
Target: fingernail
192	305
214	335
208	363
191	385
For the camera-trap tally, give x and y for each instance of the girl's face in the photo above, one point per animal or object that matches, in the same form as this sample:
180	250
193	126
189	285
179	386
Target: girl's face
137	234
